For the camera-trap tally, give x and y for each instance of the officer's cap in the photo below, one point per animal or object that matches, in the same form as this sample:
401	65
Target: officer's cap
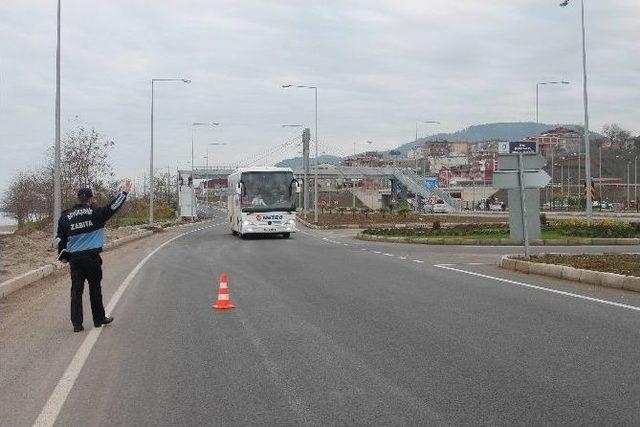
85	193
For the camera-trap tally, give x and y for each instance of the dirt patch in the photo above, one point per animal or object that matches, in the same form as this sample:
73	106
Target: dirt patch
20	253
626	264
374	218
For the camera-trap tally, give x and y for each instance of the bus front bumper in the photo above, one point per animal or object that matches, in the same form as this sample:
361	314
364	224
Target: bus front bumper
274	229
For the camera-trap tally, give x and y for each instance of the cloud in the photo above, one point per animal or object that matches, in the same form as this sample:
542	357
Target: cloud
379	66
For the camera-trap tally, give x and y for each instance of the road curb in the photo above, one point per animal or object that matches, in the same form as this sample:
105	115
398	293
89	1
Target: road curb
387	225
30	277
591	277
499	242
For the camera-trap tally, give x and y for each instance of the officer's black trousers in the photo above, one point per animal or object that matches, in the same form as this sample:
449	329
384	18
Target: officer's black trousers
86	267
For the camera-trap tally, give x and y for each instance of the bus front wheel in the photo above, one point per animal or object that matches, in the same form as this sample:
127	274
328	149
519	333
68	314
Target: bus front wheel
286	235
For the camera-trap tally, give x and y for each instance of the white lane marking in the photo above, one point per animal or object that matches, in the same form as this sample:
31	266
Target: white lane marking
403	257
418	261
52	408
377	252
345	244
363	249
541	288
386	254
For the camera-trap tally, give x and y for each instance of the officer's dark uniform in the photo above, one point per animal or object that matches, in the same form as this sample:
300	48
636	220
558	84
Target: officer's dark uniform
81	236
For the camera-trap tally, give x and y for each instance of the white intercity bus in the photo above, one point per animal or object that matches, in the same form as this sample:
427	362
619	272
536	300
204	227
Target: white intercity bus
262	200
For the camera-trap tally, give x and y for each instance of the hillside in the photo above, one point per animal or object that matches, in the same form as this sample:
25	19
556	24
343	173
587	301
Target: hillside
296	162
512	131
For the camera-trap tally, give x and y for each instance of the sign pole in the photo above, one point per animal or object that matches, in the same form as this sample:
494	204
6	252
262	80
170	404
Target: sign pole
523	206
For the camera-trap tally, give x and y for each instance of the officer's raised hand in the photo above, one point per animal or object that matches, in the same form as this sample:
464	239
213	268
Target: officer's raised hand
126	186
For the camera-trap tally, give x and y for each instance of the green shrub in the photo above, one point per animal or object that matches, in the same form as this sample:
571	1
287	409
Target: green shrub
543	219
383	210
404	210
581	228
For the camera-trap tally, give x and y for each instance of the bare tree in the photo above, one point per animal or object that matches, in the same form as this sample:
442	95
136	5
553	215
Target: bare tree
618	137
21	198
84	162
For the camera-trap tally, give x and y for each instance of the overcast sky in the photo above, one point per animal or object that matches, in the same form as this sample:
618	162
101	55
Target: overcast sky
379	66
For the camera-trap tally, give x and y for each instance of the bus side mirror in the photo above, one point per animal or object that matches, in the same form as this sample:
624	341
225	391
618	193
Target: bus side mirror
298	187
239	188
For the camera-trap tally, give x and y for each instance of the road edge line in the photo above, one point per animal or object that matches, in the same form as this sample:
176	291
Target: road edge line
51	409
541	288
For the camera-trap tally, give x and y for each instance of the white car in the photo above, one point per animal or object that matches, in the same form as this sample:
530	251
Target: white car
438	207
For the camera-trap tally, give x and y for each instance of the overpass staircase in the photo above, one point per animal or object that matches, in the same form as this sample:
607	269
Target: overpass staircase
415	184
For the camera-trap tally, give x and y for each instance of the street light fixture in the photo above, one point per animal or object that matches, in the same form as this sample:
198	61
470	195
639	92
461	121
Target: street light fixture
193	127
153	81
587	148
538	94
429	122
315	184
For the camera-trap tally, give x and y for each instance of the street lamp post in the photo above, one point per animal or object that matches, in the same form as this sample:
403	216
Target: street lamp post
193	127
635	181
628	187
151	148
315	178
425	122
538	94
57	196
600	173
353	184
207	180
587	148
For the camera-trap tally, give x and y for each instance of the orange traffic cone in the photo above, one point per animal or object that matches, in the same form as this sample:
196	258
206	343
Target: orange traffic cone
223	295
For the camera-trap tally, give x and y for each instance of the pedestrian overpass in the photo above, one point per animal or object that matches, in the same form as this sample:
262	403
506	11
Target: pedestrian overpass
406	178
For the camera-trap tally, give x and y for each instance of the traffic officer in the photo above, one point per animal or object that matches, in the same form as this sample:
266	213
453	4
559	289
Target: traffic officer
80	240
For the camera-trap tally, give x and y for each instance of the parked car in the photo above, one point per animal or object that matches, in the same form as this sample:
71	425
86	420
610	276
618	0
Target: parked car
438	207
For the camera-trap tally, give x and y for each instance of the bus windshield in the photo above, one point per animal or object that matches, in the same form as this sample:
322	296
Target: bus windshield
267	191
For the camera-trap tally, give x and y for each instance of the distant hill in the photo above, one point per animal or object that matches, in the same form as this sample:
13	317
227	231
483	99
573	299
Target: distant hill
512	131
296	162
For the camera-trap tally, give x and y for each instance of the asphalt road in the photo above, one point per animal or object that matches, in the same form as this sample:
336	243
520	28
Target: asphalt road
328	330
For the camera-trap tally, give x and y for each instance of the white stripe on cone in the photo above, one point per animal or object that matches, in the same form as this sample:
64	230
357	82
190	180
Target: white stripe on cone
223	297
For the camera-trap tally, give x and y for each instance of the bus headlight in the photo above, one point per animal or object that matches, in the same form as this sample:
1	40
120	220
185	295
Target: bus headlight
291	221
245	222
